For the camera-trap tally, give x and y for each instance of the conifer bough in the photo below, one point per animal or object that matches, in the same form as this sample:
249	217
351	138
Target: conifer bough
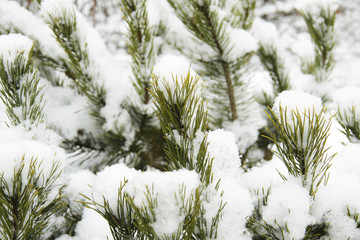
25	209
207	26
300	140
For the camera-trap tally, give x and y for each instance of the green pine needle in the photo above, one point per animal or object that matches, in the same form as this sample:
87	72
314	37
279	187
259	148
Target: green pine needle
21	91
301	144
25	209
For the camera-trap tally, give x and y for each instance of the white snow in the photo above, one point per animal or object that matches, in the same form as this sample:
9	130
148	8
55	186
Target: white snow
265	32
289	202
241	42
30	25
225	153
163	185
346	98
18	146
296	101
314	6
170	67
12	45
92	227
67	111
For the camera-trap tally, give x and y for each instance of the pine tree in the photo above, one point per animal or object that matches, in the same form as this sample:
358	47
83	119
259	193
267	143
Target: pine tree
168	124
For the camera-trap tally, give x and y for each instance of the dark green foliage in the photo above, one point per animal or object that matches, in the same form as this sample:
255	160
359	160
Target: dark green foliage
20	91
301	144
149	141
316	231
321	30
25	209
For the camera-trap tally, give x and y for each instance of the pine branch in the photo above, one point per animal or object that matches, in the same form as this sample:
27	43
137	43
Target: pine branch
322	33
207	26
78	67
301	144
148	142
349	121
183	116
122	222
25	208
21	91
274	64
140	45
244	14
134	221
64	27
263	230
354	216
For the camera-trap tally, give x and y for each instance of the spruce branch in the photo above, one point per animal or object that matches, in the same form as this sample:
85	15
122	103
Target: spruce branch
25	208
301	144
20	90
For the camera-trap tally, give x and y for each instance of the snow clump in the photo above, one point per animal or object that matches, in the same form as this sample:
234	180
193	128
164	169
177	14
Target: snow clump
12	45
296	101
171	66
289	205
